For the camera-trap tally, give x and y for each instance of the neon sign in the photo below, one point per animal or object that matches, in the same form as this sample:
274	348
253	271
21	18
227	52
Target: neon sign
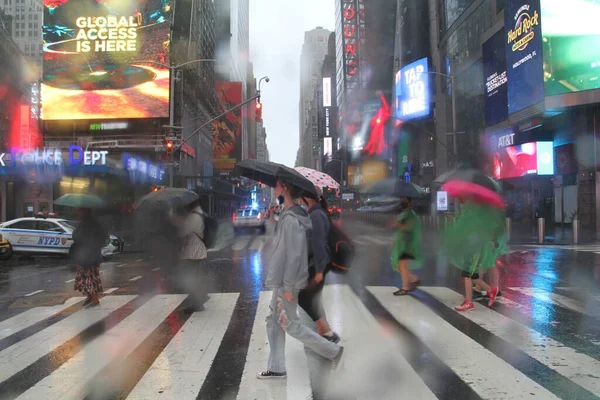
350	38
52	157
412	91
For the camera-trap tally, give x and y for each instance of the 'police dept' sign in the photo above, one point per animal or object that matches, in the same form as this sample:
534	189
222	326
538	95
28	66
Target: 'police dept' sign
412	91
141	170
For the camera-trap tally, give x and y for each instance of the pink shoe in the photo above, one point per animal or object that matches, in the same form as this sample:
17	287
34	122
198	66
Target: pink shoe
465	306
493	293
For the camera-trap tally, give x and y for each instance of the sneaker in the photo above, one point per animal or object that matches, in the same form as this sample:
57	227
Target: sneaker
493	294
335	363
271	375
334	337
465	306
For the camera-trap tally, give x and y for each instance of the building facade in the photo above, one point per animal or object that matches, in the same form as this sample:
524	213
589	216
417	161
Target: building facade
314	50
26	29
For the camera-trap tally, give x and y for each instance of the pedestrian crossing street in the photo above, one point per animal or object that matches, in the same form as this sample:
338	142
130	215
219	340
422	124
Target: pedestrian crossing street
257	243
69	352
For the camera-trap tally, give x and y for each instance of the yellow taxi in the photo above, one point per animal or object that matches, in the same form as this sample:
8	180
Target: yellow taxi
5	249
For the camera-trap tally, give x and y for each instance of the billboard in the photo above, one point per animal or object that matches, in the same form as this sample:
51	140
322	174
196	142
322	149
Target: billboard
326	92
495	80
412	91
535	158
227	132
105	59
367	172
524	58
571	46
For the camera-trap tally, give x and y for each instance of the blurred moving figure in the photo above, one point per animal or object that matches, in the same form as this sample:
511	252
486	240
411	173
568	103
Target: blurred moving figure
406	252
88	239
287	275
309	298
191	276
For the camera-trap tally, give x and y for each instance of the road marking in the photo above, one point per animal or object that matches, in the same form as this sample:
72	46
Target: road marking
140	260
33	293
27	351
297	384
111	290
122	340
257	244
137	278
181	368
121	265
156	269
240	243
579	368
458	351
560	300
102	271
33	316
70	280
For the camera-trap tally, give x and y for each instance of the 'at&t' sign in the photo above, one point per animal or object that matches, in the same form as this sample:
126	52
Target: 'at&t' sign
412	91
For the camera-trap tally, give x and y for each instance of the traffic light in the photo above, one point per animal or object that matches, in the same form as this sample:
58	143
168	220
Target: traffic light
258	111
169	146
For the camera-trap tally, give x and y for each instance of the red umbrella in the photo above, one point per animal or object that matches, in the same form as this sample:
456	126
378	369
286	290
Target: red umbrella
470	191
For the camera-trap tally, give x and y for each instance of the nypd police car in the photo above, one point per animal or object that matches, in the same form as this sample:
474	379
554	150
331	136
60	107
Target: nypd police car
47	235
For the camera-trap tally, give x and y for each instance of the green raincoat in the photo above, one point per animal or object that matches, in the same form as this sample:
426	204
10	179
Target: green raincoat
408	241
477	237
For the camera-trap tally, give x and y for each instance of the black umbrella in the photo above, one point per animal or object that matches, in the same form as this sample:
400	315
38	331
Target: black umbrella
469	175
394	187
269	172
164	199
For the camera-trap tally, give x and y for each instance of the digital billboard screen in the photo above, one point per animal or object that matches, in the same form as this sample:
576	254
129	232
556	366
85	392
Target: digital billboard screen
105	59
495	80
536	158
227	132
412	91
571	46
524	58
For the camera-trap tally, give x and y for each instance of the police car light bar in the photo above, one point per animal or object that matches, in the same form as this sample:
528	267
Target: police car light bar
46	215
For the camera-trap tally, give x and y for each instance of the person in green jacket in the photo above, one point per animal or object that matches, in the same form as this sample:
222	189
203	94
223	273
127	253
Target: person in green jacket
471	245
406	252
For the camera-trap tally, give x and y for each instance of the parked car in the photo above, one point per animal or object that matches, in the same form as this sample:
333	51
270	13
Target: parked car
46	234
248	218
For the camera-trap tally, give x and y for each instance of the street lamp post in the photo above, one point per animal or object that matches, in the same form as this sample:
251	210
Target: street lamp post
453	87
257	123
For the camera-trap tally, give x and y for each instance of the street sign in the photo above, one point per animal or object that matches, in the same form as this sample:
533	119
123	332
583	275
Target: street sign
171	138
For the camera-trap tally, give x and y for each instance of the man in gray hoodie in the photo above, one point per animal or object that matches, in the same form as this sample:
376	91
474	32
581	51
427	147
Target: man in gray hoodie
287	275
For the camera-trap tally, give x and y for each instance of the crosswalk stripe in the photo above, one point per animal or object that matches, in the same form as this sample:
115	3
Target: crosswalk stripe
111	290
240	243
458	351
33	316
558	299
577	367
368	352
71	380
31	349
257	243
296	386
181	368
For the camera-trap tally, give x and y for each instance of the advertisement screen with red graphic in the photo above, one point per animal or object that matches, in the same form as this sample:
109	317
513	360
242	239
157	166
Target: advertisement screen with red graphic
535	158
106	59
227	140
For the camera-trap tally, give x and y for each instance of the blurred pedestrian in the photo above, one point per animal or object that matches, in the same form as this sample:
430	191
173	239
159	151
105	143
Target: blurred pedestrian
89	237
191	275
287	275
309	298
406	252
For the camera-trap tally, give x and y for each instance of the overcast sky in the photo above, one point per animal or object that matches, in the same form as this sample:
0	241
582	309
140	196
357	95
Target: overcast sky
276	35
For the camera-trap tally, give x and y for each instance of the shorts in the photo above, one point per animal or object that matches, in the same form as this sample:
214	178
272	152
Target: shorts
466	274
406	256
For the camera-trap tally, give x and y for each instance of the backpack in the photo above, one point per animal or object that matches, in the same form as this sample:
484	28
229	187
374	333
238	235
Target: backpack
211	230
341	249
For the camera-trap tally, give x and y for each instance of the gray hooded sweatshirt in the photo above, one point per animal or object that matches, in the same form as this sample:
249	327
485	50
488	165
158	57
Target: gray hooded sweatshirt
288	267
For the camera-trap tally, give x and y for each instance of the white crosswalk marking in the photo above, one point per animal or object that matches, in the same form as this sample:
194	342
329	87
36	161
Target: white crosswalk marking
257	243
179	371
296	386
373	366
558	299
240	243
71	380
33	316
578	367
27	351
459	351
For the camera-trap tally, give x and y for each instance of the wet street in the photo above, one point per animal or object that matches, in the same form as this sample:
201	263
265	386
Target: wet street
540	341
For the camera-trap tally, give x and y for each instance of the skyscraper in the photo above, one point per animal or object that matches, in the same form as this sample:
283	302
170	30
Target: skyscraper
26	27
314	50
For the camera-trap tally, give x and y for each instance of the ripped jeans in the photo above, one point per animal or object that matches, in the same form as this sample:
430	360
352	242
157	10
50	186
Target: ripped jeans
283	318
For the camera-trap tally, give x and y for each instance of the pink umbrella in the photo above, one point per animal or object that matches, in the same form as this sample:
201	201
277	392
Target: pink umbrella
319	179
471	191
